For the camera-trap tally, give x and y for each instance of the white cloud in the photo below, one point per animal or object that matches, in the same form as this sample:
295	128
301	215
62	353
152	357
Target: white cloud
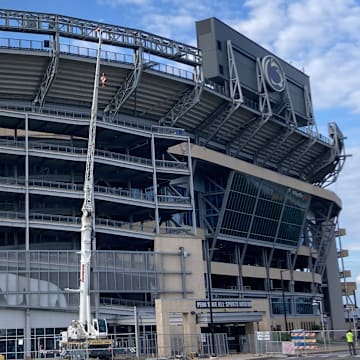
264	22
347	188
166	25
322	39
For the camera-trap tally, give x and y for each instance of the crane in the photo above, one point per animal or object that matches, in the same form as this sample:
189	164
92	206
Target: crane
88	333
88	206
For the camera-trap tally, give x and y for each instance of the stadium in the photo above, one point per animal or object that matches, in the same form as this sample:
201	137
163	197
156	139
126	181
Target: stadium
210	182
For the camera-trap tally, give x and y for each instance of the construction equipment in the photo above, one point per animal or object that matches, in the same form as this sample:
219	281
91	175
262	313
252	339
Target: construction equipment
87	336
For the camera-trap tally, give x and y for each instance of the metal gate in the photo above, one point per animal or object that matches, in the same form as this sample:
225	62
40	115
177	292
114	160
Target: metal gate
216	344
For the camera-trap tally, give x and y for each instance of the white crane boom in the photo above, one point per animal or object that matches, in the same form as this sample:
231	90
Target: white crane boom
86	328
88	204
88	333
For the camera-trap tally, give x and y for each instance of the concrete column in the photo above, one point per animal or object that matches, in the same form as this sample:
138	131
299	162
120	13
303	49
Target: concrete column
162	328
250	332
190	332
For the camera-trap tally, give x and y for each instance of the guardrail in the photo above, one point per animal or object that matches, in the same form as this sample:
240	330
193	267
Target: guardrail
88	52
119	120
105	154
138	227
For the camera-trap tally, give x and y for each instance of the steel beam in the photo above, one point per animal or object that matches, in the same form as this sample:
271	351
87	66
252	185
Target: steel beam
309	111
190	97
326	236
128	87
311	128
312	141
236	134
204	200
213	116
222	211
221	120
290	151
277	143
50	73
264	106
235	94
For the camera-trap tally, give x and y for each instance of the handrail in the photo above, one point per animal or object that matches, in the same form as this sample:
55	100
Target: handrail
133	193
70	114
88	52
100	222
98	153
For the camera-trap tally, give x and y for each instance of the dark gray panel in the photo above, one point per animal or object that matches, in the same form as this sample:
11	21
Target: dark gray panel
212	36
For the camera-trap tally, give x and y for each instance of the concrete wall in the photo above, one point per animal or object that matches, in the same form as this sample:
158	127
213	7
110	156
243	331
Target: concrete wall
194	266
173	299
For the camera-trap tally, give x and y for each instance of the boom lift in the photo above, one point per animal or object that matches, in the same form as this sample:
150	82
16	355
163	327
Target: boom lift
87	333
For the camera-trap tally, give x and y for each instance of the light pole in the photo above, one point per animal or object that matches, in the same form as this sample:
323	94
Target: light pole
283	301
316	303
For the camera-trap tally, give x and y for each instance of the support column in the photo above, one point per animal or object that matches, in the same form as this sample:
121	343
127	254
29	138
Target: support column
155	185
162	329
190	333
27	334
250	331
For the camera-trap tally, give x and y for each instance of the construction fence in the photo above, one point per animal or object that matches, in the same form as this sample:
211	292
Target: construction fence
301	341
177	346
123	346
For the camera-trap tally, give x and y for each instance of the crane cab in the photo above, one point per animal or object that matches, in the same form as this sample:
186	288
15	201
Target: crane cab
100	327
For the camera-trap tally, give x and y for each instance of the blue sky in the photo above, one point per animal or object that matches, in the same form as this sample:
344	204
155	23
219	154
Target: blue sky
321	37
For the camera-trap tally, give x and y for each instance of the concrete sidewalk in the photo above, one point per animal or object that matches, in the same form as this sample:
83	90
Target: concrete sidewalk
248	356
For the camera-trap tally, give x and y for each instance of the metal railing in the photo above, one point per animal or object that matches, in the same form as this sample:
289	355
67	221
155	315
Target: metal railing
146	229
134	193
105	154
84	115
88	52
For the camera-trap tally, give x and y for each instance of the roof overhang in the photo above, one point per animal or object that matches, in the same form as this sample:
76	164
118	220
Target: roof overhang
230	317
214	157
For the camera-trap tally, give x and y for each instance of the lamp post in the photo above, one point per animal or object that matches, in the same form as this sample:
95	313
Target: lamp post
283	300
316	303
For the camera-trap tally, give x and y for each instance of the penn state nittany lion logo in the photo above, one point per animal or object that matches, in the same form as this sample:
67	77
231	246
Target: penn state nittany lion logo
274	74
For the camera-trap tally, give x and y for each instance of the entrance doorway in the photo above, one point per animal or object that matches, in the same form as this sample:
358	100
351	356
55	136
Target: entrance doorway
237	338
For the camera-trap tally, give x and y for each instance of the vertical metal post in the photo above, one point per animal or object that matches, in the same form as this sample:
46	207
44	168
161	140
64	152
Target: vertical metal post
322	322
191	186
209	285
136	322
315	303
27	235
283	301
355	326
156	200
27	335
183	271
